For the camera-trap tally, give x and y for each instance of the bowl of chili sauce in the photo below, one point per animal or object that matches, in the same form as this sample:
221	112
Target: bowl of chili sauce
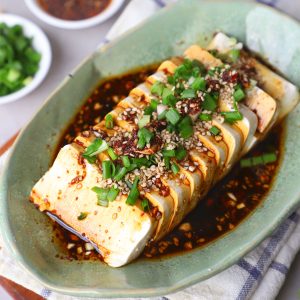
74	14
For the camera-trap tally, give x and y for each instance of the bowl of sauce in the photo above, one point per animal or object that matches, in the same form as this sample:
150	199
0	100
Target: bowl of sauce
74	14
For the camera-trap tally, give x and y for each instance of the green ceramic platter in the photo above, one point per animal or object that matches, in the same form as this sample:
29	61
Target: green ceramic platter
27	232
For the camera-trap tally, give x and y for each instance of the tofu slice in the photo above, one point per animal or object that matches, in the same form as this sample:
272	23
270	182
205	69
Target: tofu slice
108	227
233	139
116	113
276	86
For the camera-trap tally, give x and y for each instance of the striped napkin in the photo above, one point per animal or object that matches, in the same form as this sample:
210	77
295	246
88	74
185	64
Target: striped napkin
259	275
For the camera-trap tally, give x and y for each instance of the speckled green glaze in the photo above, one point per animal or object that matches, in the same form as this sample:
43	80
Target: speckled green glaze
27	232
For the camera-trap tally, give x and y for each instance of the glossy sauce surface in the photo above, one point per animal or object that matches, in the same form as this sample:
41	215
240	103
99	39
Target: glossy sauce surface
74	10
228	203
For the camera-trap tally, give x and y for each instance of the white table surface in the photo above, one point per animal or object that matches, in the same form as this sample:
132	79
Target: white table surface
69	48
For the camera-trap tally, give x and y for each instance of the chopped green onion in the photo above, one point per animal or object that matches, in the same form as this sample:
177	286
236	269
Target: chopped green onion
109	121
239	95
186	121
141	143
126	161
168	153
234	55
112	194
170	100
106	169
128	183
146	133
209	103
148	111
166	92
162	115
258	160
101	195
269	157
96	147
82	216
205	117
171	128
157	88
175	169
232	116
167	161
144	121
199	84
120	174
171	80
173	116
112	153
186	132
181	153
134	193
188	94
145	205
153	104
141	161
214	130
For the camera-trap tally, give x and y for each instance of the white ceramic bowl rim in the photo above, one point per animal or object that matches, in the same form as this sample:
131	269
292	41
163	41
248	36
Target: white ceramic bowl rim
41	44
112	8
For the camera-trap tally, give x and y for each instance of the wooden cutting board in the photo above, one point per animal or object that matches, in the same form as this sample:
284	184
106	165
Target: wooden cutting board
16	291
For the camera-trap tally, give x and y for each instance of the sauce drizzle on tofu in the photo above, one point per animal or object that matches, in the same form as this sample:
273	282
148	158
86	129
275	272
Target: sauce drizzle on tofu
228	203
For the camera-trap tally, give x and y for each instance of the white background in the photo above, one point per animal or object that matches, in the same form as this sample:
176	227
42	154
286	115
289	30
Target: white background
69	48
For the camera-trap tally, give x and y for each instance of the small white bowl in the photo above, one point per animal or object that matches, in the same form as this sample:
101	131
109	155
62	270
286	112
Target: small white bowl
112	8
40	43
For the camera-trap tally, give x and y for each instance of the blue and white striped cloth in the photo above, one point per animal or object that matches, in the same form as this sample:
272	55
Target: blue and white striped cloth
259	275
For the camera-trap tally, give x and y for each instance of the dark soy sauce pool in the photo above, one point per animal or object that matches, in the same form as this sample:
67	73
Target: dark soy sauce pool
228	203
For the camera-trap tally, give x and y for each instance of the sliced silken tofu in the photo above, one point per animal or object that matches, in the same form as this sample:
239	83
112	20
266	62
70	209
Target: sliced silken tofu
233	138
279	88
108	227
220	150
195	179
208	167
132	102
180	192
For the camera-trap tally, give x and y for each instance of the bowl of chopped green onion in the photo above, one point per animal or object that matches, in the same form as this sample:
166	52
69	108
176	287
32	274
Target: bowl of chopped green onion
25	57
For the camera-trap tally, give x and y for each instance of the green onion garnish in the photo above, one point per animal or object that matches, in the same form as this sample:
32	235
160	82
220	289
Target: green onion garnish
175	169
96	147
101	195
153	104
186	132
146	134
106	169
199	84
141	161
126	161
167	161
82	216
232	116
112	153
157	88
181	153
188	94
214	130
258	160
120	174
144	121
234	55
162	115
173	116
171	80
166	92
112	194
109	121
239	95
170	100
168	153
148	111
205	117
134	193
209	103
141	143
145	205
